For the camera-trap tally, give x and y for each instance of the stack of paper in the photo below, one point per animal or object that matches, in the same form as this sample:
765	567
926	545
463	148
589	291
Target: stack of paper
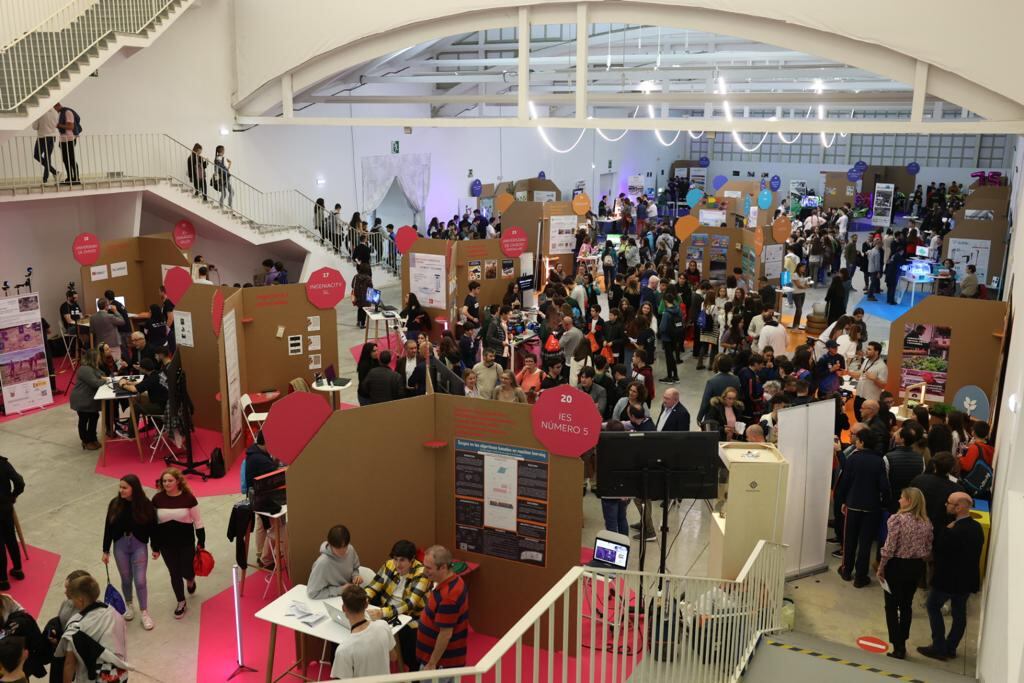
302	612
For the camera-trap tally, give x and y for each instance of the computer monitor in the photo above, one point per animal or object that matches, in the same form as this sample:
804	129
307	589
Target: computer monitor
921	251
373	296
609	552
656	465
118	299
613	238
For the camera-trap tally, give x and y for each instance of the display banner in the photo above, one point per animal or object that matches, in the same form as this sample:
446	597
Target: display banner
24	373
427	279
561	234
231	369
881	214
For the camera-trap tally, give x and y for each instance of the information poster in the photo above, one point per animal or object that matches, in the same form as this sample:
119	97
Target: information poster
543	196
749	260
773	255
119	269
24	374
712	217
881	209
698	178
427	279
636	185
230	335
97	273
561	235
966	252
797	191
926	359
718	256
183	328
501	501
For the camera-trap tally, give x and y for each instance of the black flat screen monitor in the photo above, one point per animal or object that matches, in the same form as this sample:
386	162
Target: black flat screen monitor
675	464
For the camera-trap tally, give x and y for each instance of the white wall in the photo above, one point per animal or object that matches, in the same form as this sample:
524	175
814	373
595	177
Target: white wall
999	658
39	234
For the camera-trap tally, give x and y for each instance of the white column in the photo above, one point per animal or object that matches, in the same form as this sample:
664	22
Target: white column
920	90
286	96
582	55
524	64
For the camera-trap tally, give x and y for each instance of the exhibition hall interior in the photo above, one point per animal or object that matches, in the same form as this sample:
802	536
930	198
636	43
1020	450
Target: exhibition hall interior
539	341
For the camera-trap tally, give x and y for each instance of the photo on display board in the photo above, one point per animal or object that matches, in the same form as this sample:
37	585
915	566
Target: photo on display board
720	242
315	361
926	358
718	262
21	338
312	323
699	239
508	269
475	270
23	366
28	303
491	269
695	254
749	260
979	214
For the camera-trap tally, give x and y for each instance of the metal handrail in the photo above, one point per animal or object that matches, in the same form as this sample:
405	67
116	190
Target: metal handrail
693	628
66	35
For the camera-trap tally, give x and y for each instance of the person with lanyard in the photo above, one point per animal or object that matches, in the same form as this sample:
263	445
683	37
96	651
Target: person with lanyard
400	587
871	378
367	649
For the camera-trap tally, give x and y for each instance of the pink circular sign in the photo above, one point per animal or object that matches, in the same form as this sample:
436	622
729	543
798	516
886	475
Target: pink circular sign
217	311
184	235
566	421
513	241
176	283
325	288
86	248
405	237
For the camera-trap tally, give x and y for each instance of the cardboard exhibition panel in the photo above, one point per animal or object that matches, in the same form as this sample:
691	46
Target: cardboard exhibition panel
839	190
201	359
973	345
232	357
132	268
431	252
536	190
981	229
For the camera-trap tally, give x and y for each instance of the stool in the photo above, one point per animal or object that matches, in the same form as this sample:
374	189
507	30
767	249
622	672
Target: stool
157	423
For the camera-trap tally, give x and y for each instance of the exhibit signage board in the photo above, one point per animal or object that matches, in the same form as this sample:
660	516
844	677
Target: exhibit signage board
24	373
501	501
881	216
772	255
231	369
561	234
427	279
966	252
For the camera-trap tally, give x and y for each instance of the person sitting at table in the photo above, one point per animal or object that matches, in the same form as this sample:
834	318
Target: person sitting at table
400	587
416	318
259	462
88	379
153	385
138	349
335	567
367	649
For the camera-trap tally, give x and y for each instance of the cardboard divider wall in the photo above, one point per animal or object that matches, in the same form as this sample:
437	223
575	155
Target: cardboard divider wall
140	260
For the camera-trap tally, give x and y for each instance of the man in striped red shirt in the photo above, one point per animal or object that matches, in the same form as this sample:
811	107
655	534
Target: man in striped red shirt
444	622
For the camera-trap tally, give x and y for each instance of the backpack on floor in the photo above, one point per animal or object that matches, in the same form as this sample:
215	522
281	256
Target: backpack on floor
217	467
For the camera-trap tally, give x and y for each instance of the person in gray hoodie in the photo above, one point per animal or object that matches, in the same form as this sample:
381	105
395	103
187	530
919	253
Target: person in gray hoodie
335	567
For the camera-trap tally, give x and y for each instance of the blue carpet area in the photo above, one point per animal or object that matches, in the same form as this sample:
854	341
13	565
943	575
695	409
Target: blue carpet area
888	312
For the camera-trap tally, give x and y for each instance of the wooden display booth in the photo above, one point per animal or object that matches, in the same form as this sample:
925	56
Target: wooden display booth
485	202
839	190
415	469
550	228
981	233
536	190
961	345
133	268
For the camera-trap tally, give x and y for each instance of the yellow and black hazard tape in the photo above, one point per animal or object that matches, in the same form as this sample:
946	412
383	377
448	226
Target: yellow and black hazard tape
845	662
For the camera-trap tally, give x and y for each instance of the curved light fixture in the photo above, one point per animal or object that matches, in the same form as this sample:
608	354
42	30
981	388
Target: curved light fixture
544	135
657	133
608	139
739	143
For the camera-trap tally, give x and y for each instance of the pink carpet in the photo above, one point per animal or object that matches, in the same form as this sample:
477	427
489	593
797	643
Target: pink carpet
382	343
123	458
217	651
39	568
65	378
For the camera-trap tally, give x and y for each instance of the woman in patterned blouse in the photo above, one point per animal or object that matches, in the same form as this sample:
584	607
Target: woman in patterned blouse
908	544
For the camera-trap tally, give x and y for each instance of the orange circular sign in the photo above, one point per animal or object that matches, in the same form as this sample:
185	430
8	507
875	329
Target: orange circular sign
503	201
686	226
781	229
581	204
758	241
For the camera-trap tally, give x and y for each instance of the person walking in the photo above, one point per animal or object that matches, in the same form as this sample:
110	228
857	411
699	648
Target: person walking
88	379
196	167
70	127
907	545
46	135
129	524
179	527
11	486
875	270
801	283
957	553
864	489
222	176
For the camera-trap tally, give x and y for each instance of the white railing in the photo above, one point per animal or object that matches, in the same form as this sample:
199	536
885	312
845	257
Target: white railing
18	17
38	54
110	160
597	626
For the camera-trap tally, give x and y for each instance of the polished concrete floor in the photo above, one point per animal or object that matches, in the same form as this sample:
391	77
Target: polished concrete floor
64	503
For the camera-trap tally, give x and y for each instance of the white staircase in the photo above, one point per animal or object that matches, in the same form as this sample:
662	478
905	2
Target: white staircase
158	164
39	64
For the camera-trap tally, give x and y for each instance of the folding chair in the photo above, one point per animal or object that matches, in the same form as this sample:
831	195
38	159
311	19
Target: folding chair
157	423
251	416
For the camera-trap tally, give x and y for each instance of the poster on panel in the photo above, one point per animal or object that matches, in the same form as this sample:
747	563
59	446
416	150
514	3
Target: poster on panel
881	216
427	279
772	256
230	334
24	373
544	196
926	358
561	235
635	185
966	252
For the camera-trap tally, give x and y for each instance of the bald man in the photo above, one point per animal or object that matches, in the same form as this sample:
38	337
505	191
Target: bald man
957	552
570	339
137	350
674	417
870	412
754	434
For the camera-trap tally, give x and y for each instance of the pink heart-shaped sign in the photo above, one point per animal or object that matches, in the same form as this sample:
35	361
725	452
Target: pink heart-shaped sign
176	283
293	422
405	237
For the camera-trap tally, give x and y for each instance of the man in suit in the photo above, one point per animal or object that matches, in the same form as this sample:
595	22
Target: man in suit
870	412
674	417
864	489
106	324
406	365
957	552
137	350
717	384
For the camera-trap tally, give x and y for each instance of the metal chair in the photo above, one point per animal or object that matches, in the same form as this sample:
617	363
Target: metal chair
156	421
251	416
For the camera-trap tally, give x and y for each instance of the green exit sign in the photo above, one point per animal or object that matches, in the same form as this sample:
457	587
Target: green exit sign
394	146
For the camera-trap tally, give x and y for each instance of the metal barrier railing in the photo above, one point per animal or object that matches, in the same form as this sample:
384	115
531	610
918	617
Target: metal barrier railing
34	55
592	627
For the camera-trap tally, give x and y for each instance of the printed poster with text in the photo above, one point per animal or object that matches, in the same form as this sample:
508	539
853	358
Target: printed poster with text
428	280
24	373
926	359
561	235
501	501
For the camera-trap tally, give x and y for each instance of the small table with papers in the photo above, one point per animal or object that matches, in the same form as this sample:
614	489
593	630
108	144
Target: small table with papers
295	610
109	392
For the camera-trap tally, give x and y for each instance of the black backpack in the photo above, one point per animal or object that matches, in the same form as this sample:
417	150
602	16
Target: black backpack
217	467
77	127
